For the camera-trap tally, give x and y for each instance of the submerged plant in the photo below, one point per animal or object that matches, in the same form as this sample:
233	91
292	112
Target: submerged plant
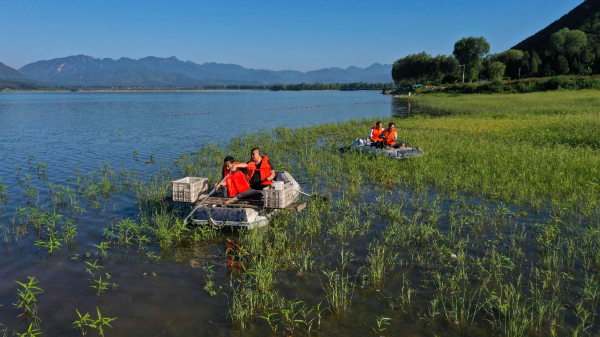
376	264
100	286
381	323
338	290
27	295
3	193
86	322
210	285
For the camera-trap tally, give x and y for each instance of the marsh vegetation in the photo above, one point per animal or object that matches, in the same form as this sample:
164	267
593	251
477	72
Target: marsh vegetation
496	230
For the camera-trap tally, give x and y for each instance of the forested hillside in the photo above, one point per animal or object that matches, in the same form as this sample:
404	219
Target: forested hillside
9	74
572	20
569	46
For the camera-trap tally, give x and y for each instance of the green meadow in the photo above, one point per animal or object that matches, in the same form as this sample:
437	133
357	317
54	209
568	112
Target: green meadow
525	148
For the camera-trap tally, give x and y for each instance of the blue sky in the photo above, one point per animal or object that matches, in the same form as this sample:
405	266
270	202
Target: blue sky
276	35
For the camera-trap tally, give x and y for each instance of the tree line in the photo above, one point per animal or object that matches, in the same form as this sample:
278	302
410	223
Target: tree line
569	52
303	86
276	87
331	86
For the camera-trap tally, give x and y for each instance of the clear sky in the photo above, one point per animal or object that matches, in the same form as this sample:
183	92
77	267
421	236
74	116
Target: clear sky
276	35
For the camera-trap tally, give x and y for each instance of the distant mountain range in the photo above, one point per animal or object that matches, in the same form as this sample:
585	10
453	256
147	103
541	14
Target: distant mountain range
82	70
572	20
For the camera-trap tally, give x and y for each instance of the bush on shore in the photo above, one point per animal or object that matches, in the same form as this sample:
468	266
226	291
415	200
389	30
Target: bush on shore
522	86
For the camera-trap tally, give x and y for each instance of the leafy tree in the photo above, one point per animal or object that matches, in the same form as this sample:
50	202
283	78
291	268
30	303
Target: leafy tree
512	59
497	71
445	65
548	69
423	67
411	68
525	63
569	43
536	62
469	51
562	65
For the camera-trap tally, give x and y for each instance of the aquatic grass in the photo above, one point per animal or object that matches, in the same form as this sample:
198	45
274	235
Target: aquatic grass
3	194
514	313
93	268
404	299
377	263
381	323
338	290
128	232
244	305
33	329
99	285
86	322
27	296
338	285
168	228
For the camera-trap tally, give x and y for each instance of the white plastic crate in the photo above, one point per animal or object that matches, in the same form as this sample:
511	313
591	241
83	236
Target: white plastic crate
189	189
278	198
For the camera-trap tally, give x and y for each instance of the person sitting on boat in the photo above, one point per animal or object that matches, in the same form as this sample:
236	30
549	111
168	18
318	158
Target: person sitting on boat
390	136
259	169
375	135
235	180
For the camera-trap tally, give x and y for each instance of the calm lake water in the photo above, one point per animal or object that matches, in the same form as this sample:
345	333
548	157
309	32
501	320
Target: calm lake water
85	130
66	132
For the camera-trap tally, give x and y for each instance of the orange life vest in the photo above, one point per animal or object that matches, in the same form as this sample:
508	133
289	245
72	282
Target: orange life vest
265	170
389	141
236	182
376	133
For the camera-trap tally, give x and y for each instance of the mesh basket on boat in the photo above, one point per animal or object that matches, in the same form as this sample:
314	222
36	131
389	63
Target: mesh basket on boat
279	198
189	189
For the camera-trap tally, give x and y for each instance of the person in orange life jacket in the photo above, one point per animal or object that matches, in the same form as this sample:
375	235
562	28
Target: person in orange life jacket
236	182
260	171
375	136
390	136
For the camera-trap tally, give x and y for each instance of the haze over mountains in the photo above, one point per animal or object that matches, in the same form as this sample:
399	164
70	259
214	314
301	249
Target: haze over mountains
82	70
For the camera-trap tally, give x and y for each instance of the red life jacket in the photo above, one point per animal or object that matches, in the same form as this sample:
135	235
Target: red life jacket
390	140
376	133
236	182
265	170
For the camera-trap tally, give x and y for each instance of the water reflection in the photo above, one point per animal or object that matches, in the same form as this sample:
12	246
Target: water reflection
404	107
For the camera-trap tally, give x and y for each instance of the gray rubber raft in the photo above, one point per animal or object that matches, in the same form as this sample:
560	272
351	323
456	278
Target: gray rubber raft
365	145
247	214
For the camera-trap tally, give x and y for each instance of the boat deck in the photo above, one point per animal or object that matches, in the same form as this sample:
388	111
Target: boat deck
240	203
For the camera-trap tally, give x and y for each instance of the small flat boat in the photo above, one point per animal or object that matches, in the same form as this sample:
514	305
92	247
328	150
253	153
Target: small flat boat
365	145
244	213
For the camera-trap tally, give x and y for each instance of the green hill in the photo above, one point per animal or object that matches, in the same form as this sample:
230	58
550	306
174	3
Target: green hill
572	20
9	74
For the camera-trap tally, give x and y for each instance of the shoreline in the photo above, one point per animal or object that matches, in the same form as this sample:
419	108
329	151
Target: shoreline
174	90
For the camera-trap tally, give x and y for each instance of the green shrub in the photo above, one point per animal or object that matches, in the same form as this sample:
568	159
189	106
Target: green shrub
497	86
557	82
471	88
590	84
